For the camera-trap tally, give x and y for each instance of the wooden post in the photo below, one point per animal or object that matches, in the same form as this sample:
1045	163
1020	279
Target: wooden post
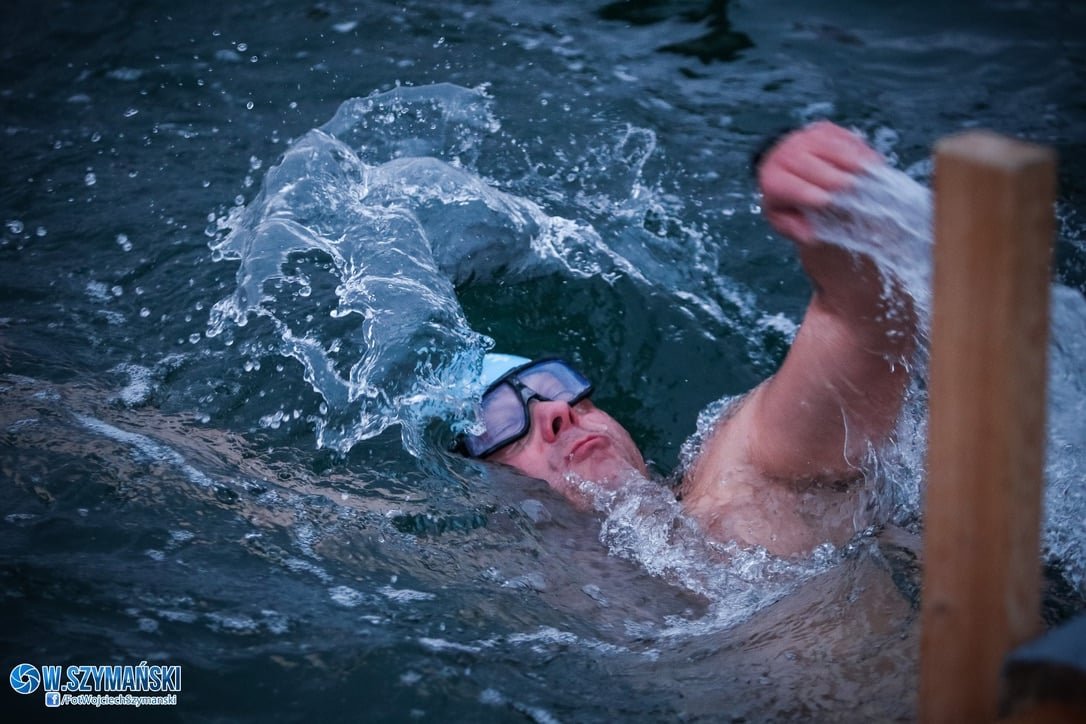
981	597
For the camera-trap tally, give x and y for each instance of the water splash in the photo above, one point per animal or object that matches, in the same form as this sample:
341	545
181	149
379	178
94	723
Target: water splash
643	522
354	246
1065	460
384	341
888	216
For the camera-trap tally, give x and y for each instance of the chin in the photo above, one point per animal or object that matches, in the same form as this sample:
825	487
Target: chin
583	485
609	473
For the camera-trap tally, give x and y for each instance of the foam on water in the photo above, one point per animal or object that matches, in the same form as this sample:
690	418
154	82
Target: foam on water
644	523
147	447
1065	461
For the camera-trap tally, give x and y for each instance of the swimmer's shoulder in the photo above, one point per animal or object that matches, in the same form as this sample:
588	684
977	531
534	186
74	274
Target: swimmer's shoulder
734	498
723	460
720	488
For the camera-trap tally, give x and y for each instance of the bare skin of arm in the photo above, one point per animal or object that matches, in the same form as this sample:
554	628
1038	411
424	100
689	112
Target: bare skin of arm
779	472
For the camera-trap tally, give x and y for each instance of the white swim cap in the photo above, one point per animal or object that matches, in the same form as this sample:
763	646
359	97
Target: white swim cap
496	365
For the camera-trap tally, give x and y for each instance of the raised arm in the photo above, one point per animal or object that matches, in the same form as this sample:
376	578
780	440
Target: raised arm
841	385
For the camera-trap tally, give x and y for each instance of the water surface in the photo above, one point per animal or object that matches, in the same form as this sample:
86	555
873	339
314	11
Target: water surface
269	504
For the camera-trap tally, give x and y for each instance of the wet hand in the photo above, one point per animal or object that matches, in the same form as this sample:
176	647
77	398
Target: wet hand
804	170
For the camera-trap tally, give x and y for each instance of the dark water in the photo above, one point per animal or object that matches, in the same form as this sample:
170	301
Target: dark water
166	496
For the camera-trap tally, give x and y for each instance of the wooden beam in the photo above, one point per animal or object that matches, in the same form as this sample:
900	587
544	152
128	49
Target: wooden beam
982	512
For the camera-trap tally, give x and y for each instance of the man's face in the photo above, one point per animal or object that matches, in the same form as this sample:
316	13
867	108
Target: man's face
581	440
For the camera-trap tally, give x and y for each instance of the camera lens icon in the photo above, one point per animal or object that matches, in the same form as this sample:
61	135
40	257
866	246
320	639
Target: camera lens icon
25	678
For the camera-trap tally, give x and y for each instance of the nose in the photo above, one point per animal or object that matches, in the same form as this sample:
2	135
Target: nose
550	417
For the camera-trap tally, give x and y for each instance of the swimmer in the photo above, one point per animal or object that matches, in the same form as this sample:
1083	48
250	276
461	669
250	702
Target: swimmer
782	468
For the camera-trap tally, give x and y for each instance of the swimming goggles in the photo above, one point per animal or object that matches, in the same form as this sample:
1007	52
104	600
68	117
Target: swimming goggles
504	404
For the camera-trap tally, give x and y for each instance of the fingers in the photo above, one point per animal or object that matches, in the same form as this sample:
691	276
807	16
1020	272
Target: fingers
799	184
838	146
805	169
822	155
791	224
